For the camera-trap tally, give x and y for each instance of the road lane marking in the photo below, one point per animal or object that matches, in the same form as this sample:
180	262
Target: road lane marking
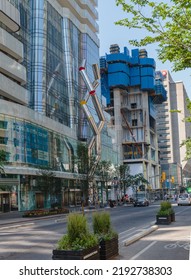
185	209
124	232
143	232
144	250
60	220
123	235
182	242
178	244
127	237
16	225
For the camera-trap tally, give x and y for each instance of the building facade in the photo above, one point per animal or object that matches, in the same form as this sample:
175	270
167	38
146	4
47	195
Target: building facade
172	130
42	45
131	88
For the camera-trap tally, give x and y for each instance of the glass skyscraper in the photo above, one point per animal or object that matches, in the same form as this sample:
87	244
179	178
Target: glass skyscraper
43	43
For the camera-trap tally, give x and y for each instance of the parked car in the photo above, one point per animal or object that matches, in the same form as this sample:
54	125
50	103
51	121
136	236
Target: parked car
141	201
184	199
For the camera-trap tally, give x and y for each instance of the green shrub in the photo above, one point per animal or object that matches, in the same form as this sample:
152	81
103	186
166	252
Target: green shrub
84	242
165	209
76	227
165	212
101	223
78	236
165	205
102	226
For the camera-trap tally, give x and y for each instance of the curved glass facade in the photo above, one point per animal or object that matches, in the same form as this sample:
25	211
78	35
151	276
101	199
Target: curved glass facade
54	45
54	48
28	143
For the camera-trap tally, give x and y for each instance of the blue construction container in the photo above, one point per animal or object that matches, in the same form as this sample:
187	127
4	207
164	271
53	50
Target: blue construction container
135	78
118	75
147	72
123	71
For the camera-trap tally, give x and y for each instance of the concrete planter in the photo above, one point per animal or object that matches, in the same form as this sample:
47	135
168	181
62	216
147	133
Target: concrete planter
85	254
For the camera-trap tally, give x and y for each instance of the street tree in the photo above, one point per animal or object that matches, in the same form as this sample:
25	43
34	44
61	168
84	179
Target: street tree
2	161
104	170
85	164
167	23
48	184
136	181
187	142
122	174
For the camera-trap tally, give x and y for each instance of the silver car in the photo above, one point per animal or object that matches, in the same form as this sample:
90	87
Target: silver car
184	199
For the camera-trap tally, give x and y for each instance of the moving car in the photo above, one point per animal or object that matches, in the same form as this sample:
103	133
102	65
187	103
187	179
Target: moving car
184	199
141	201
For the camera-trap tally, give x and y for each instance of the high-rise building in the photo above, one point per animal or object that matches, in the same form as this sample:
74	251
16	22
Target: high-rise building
172	130
132	88
42	45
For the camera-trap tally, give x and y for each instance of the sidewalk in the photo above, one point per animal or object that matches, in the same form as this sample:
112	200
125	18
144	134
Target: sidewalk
175	232
15	217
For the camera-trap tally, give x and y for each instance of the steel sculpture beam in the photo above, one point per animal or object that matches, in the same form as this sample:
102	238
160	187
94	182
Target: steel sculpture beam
96	128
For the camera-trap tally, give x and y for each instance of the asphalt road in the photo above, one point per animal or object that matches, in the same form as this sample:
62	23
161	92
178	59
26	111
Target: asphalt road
35	239
168	242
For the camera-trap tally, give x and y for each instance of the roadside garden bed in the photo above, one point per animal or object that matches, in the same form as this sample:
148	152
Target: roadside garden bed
44	212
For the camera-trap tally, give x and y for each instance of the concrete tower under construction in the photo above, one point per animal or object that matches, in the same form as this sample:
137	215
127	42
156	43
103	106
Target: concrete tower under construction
132	87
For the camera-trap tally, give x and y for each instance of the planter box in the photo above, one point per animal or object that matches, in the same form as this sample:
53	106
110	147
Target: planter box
109	249
163	220
86	254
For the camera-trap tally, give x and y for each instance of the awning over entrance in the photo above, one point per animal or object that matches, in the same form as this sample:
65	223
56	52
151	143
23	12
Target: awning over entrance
9	181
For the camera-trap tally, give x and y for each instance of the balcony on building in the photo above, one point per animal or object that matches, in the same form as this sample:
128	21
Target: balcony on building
12	68
10	45
9	15
12	90
85	12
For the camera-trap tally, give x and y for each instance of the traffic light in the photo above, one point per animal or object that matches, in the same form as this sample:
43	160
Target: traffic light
163	176
172	179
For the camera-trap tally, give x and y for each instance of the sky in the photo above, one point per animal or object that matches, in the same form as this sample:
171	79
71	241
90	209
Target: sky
109	33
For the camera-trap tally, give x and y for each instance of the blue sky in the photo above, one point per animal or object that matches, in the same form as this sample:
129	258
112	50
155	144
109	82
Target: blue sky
109	33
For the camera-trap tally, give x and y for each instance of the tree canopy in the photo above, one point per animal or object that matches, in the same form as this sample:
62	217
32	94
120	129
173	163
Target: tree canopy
167	23
46	181
2	161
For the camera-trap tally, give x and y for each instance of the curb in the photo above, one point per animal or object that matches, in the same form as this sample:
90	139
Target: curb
25	220
140	235
22	221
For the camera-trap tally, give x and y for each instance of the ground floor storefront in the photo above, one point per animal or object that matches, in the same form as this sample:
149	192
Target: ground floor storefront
27	192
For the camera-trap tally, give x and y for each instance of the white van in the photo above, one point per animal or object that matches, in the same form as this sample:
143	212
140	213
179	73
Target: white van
184	199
